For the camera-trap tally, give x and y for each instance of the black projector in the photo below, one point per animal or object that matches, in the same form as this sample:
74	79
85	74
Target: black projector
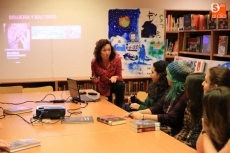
50	111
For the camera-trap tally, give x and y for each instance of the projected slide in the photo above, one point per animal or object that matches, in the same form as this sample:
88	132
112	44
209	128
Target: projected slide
26	36
17	35
56	32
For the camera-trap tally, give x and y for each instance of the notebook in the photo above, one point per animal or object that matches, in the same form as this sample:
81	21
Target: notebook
75	94
18	110
77	120
24	143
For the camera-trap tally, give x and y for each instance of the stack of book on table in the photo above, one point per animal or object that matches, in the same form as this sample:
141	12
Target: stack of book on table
144	125
21	144
111	120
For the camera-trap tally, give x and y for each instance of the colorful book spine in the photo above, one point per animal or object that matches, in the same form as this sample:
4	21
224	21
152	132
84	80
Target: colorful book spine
144	123
111	120
140	130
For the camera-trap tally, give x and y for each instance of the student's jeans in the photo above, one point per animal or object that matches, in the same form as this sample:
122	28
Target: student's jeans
118	89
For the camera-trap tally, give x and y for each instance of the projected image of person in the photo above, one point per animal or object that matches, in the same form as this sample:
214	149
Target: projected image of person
106	69
17	36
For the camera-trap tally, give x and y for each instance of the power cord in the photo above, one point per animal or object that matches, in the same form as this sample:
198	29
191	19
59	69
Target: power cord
3	115
74	111
39	101
39	118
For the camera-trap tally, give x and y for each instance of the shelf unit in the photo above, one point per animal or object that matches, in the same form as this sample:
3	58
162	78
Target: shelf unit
61	83
215	33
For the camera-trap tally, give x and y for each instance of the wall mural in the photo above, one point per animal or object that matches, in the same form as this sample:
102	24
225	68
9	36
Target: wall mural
138	36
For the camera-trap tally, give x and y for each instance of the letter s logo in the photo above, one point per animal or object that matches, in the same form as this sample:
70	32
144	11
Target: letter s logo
215	7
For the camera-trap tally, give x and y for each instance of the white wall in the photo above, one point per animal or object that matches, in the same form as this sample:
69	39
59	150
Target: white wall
92	15
104	4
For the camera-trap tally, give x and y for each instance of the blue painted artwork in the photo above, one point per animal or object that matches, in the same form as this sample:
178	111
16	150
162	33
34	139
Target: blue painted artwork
134	46
149	28
137	35
135	68
129	56
120	47
123	22
225	65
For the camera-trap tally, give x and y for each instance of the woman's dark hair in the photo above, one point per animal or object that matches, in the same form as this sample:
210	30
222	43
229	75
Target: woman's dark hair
220	76
99	45
194	94
156	90
216	114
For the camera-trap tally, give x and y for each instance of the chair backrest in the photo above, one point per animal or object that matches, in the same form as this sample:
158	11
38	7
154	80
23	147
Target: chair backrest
11	89
38	89
141	95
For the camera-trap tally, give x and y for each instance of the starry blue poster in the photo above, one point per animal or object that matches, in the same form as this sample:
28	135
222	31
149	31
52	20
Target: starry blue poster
137	35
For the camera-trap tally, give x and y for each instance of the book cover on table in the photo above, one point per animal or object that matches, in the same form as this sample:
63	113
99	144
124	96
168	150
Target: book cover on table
143	123
140	130
111	120
77	120
22	144
18	110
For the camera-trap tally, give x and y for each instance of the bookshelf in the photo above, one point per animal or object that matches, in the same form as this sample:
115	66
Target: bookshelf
133	84
174	30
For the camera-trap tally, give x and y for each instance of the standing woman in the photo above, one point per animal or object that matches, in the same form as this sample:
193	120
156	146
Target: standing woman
106	71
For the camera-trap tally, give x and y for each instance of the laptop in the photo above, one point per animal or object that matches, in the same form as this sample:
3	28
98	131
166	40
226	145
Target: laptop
75	93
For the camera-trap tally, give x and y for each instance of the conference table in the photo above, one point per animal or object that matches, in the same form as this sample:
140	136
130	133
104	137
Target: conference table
82	138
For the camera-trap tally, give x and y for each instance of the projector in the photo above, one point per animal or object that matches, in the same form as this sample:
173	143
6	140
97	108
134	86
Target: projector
50	111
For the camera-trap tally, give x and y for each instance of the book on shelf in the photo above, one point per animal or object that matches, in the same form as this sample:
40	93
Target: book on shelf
223	23
77	120
140	130
132	87
223	45
197	43
18	110
22	144
185	41
213	23
181	23
187	21
144	123
202	22
200	66
229	20
192	44
111	120
195	21
206	43
171	47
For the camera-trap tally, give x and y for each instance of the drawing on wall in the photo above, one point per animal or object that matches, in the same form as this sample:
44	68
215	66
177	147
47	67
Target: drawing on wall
137	35
149	28
227	64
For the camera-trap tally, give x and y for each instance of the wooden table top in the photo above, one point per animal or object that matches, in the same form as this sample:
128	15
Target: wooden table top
83	138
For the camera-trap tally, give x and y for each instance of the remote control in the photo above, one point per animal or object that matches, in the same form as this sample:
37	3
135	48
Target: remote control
92	93
82	92
58	101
